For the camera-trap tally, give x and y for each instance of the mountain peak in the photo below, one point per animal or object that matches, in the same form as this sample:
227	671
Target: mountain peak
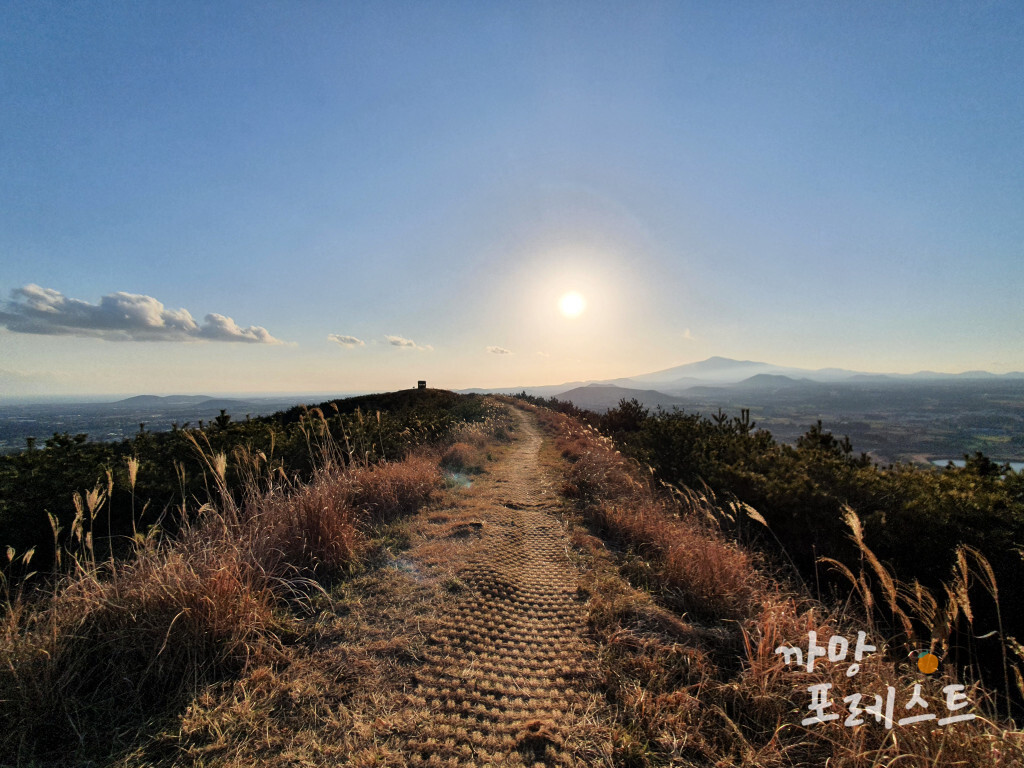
714	369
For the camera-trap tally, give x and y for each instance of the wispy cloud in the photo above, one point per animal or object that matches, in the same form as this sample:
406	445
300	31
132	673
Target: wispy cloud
398	341
687	335
346	341
118	317
499	351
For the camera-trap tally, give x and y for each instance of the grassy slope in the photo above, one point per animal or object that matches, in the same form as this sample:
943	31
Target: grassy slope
245	642
113	649
701	682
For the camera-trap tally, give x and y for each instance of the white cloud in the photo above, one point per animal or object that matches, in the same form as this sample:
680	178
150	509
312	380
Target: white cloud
118	317
398	341
220	328
346	341
687	335
499	351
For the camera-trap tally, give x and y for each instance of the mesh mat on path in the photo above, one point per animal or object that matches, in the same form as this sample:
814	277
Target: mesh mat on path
503	677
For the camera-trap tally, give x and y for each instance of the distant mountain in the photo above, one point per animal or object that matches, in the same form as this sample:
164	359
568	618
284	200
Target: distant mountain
161	401
979	375
723	372
598	397
191	403
714	369
775	382
869	378
545	390
676	385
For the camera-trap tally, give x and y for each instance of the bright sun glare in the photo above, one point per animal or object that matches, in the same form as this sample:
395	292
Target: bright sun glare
572	304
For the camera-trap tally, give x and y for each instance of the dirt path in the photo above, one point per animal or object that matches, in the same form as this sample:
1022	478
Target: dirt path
504	678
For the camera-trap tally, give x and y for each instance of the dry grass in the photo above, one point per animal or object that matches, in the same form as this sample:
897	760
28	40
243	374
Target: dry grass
694	570
462	457
472	446
339	696
325	702
116	644
681	554
497	426
387	491
227	641
702	684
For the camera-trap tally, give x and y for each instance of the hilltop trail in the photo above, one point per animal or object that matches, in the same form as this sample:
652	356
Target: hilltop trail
504	676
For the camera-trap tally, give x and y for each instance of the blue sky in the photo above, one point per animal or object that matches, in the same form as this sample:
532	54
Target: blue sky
809	184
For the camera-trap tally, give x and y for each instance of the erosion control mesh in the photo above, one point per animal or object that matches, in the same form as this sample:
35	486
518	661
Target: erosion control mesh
504	672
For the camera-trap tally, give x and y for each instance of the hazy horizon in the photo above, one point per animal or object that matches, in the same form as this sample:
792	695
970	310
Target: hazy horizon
308	199
102	397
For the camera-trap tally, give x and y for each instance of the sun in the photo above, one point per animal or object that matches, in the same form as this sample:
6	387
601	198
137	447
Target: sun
572	304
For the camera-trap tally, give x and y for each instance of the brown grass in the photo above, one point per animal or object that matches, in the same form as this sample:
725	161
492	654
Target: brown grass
461	457
237	609
703	684
322	706
686	559
115	644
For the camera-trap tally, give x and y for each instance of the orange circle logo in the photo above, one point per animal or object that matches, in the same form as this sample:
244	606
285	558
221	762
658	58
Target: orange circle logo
927	662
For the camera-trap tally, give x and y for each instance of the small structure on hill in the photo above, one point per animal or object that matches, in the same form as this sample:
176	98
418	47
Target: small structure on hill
421	385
